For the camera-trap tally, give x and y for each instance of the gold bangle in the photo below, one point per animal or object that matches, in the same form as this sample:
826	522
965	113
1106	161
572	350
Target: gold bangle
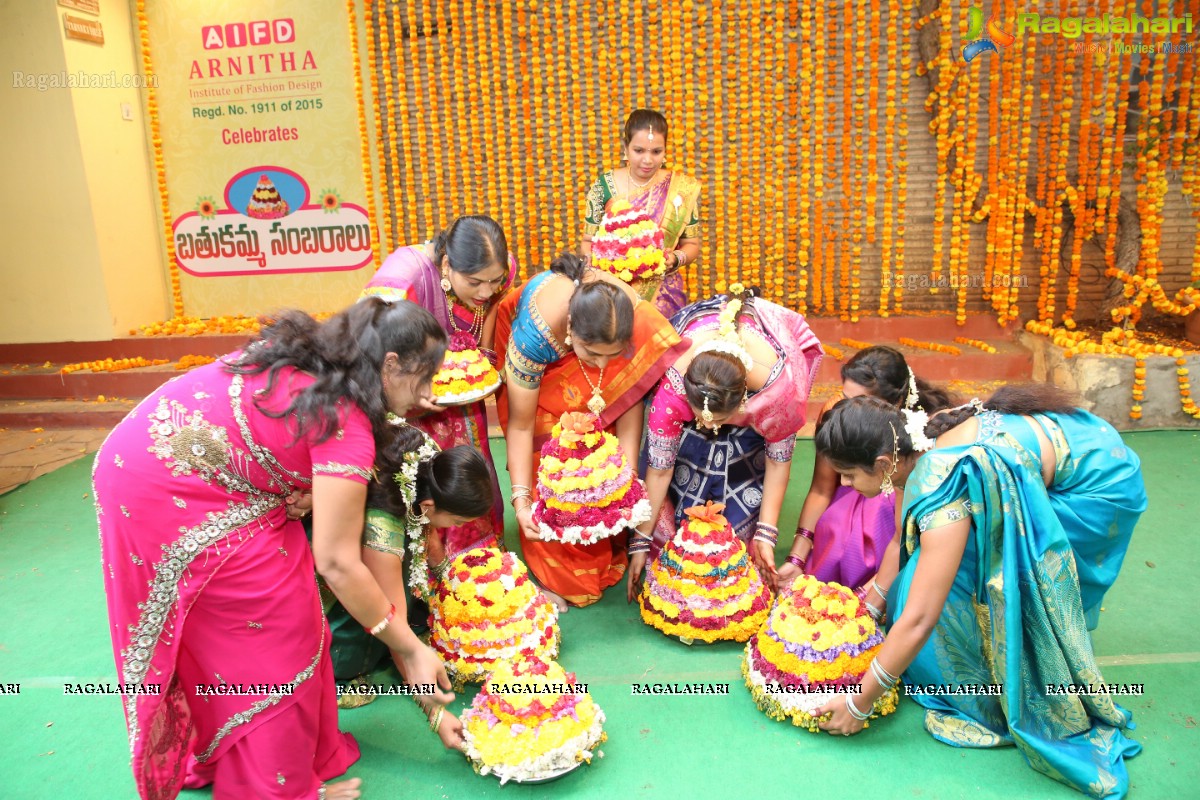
435	721
523	497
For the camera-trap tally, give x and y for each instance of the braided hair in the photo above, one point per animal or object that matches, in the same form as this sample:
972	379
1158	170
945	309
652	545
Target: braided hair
883	372
859	430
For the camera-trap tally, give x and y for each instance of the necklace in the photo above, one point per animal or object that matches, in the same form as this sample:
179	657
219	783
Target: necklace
596	404
637	185
476	327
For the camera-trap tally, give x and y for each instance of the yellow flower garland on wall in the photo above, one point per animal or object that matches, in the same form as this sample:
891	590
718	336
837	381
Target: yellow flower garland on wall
365	146
160	170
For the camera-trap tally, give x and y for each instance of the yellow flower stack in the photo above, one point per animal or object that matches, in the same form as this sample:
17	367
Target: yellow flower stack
702	585
486	612
532	721
466	374
816	646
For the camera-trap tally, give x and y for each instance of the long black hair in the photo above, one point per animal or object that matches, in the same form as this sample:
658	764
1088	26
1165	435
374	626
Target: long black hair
883	372
457	480
859	430
345	354
473	243
600	312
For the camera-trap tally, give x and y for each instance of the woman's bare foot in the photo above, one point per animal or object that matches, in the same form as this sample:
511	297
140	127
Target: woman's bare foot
342	790
557	599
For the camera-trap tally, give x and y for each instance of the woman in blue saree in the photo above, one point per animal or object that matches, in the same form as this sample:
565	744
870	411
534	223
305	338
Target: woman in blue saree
1013	527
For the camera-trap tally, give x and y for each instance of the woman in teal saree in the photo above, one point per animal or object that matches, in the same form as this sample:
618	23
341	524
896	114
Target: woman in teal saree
1013	527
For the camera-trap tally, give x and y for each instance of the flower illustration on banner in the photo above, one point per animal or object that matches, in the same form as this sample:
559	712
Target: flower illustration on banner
331	201
206	207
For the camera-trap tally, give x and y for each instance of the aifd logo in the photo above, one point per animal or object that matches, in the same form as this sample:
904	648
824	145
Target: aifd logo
241	34
996	38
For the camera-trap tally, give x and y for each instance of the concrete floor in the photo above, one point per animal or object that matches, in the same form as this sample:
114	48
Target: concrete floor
30	453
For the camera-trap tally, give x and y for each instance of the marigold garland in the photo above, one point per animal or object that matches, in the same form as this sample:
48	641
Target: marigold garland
934	346
194	326
193	361
365	142
114	365
976	343
855	343
160	169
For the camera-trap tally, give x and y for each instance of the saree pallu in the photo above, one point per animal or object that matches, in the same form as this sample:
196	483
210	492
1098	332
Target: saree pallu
210	589
851	536
1013	616
673	204
581	573
1098	495
409	274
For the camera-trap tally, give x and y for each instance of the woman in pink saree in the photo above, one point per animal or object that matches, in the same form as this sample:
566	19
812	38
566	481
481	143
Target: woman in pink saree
670	197
723	423
459	277
215	617
841	535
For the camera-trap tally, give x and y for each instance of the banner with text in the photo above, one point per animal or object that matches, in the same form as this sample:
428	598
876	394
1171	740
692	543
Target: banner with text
260	142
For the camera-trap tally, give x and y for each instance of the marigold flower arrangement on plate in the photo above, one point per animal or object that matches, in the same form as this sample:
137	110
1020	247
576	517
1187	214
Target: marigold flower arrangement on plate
587	489
486	611
466	375
532	722
816	646
629	245
703	584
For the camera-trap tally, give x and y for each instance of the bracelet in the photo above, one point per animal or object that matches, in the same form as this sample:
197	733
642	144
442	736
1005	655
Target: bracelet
881	592
638	544
797	561
435	721
381	626
853	709
875	612
766	533
769	542
804	533
519	490
680	258
886	679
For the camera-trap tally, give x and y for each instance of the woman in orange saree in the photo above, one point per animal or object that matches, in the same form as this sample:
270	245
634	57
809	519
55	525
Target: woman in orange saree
575	339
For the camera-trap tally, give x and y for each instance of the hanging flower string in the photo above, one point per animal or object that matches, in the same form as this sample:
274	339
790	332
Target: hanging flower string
160	169
365	142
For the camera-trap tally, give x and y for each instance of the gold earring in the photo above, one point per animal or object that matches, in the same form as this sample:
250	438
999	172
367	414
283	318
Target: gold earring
742	405
567	340
445	282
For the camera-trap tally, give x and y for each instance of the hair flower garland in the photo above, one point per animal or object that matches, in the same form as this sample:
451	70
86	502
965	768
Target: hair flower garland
914	396
915	421
414	527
